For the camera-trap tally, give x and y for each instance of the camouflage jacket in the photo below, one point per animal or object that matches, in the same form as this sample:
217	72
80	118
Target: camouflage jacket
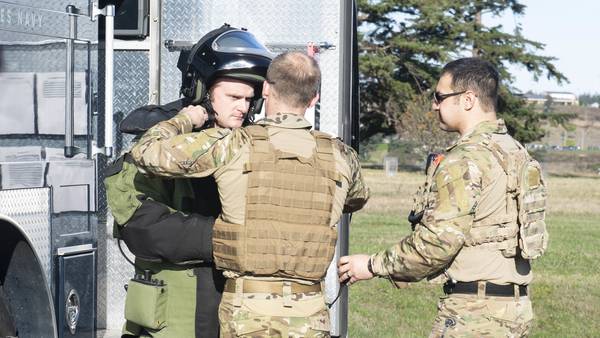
453	192
170	149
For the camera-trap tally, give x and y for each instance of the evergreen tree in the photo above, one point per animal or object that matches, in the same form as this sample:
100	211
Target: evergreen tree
589	99
404	44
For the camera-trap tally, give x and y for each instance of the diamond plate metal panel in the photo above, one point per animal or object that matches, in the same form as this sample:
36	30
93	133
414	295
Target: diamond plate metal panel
117	274
104	299
130	91
131	80
181	21
30	208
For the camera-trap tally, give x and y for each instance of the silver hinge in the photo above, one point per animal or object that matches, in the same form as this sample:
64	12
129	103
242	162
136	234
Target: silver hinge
106	151
108	10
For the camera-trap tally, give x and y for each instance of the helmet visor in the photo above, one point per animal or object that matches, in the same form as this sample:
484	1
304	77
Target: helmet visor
239	41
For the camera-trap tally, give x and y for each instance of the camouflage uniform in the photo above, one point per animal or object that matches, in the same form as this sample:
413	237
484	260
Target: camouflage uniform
264	315
464	188
162	151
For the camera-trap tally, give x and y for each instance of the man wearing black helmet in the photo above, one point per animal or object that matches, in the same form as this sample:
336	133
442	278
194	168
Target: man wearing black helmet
167	224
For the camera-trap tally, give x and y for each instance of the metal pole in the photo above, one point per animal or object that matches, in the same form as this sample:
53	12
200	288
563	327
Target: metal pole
349	76
70	149
349	133
154	53
108	79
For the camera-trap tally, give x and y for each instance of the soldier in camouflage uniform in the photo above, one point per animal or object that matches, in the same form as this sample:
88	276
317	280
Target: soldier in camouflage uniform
473	219
283	189
167	224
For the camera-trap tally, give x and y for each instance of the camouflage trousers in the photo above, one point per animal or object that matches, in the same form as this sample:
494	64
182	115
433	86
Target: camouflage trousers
270	315
471	316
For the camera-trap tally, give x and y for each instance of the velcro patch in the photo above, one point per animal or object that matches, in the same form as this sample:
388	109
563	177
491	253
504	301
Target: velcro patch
451	185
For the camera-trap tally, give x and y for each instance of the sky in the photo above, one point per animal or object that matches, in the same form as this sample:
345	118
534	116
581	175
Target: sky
571	32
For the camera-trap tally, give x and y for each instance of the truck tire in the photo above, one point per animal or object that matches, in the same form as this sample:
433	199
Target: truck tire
7	322
26	304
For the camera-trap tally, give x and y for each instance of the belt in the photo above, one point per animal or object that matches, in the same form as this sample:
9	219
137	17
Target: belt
276	287
491	289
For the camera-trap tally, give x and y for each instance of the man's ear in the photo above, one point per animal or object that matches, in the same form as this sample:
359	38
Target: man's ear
314	101
469	99
265	89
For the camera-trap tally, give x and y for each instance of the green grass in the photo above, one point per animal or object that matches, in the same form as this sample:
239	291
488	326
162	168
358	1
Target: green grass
566	286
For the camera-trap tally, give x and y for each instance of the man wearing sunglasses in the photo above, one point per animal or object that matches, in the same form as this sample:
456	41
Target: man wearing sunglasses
478	220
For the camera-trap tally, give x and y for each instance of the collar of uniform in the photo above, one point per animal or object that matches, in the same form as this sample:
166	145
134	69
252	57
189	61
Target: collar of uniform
485	127
284	120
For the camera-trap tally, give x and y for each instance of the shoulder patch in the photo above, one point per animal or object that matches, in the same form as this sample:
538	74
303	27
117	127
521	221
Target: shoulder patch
217	132
450	170
451	181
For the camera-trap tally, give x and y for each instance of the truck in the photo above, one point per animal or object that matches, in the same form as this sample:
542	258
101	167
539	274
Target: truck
70	71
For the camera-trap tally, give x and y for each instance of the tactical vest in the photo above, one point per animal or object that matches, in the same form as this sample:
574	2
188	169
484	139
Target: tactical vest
523	225
289	200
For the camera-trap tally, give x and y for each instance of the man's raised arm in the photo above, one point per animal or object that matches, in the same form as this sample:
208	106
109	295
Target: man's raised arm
170	149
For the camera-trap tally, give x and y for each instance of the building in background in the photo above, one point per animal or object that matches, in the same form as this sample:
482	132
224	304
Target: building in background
557	98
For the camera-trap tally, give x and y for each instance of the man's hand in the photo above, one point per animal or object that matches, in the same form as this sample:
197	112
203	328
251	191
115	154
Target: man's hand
197	114
354	268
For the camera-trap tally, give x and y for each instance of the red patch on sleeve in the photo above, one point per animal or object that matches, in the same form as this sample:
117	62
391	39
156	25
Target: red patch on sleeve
438	158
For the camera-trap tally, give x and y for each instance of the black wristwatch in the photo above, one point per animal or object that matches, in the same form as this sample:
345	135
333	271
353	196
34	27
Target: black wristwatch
370	266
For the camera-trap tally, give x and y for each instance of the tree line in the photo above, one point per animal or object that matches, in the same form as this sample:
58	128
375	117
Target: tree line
589	99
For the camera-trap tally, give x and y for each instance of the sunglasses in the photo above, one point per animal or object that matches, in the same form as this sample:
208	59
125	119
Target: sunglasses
439	97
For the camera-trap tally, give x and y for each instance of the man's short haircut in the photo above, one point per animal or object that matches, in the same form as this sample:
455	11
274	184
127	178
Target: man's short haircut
476	75
295	78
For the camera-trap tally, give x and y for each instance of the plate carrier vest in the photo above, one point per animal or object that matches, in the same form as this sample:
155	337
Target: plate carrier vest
289	200
523	225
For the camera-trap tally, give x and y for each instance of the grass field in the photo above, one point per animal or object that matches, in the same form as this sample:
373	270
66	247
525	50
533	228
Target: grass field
566	285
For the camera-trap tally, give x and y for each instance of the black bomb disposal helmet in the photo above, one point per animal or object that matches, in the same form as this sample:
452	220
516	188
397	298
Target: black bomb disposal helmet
225	52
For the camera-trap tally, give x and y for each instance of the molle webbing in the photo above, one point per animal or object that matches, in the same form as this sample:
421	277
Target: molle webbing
523	223
288	213
498	231
500	236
